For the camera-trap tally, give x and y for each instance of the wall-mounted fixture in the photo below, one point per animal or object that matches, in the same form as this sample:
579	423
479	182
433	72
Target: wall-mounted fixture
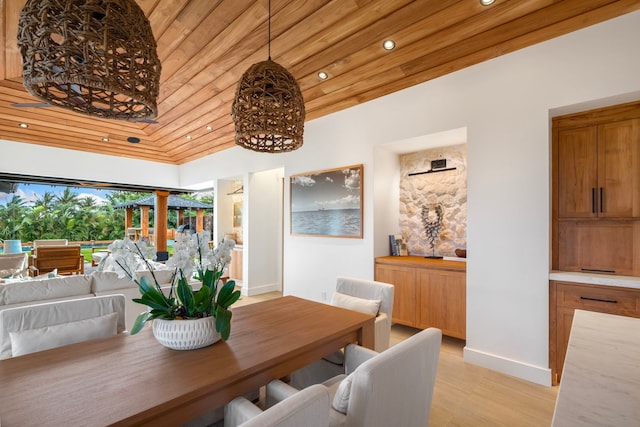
439	165
238	190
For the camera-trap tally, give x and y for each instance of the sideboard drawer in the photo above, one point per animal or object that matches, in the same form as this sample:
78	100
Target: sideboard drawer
596	298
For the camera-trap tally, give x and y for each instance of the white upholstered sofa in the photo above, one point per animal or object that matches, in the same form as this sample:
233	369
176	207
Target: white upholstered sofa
100	283
36	327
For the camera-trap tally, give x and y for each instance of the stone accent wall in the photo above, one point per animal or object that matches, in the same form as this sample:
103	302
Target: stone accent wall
447	188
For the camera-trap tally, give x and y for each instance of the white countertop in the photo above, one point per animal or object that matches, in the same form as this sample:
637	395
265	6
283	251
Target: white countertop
596	279
600	383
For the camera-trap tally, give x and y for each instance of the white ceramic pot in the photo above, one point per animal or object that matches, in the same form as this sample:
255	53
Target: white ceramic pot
186	334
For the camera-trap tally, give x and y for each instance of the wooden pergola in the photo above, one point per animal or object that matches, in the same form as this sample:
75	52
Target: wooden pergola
161	202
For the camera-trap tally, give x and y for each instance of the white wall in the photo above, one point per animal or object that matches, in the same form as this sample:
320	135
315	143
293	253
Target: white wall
505	105
262	257
31	159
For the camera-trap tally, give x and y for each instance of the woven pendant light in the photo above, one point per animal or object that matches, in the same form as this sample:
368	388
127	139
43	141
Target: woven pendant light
268	109
95	57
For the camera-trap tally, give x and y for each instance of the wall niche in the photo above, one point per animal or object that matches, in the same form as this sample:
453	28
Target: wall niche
447	188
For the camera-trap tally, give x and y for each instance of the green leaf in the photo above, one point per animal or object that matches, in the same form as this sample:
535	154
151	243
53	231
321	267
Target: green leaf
223	322
185	295
235	296
156	297
145	285
151	300
202	299
140	322
226	295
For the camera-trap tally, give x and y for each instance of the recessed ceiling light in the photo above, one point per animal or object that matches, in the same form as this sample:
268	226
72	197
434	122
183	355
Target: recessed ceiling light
189	137
389	44
209	128
105	139
133	139
23	125
487	2
323	76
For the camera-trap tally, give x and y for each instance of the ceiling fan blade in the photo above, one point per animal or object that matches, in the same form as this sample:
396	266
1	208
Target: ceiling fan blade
150	121
31	105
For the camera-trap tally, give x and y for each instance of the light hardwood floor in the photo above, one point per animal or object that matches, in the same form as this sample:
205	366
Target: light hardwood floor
469	395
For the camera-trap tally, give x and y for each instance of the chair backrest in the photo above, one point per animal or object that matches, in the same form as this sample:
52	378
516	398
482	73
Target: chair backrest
64	258
13	264
368	289
49	242
306	408
395	387
60	323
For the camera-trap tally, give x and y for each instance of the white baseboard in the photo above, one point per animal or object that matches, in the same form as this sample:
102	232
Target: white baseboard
511	367
257	290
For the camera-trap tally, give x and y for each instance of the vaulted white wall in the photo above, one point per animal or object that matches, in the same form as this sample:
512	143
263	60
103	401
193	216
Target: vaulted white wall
505	105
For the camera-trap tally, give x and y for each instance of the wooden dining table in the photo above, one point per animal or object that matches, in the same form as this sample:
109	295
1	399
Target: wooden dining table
133	380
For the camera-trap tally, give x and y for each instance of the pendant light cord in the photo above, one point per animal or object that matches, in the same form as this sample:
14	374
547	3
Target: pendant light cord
269	32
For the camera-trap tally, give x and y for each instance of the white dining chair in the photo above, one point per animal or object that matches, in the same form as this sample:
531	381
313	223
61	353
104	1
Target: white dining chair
305	408
367	296
392	388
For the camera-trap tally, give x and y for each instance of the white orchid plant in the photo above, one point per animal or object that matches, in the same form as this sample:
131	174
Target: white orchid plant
193	259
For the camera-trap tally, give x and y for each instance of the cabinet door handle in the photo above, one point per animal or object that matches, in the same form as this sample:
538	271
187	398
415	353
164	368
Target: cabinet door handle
594	270
610	301
601	207
593	200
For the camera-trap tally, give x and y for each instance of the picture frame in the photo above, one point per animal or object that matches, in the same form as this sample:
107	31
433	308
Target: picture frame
237	214
327	203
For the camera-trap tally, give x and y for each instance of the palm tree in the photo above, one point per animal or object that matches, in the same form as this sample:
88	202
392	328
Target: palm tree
11	218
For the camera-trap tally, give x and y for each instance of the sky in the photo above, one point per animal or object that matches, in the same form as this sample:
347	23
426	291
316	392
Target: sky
334	189
31	192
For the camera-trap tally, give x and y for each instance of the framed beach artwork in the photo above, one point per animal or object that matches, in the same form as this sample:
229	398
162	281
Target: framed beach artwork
327	203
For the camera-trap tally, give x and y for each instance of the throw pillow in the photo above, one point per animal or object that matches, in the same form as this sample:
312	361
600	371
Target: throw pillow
341	398
368	306
32	340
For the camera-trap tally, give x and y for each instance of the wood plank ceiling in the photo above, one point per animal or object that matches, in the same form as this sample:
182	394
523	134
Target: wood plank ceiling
206	45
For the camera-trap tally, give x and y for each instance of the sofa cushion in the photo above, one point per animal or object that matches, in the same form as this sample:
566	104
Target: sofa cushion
13	265
368	306
105	281
32	340
339	391
37	316
45	289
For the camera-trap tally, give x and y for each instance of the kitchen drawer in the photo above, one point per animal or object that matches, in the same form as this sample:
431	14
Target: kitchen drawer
598	298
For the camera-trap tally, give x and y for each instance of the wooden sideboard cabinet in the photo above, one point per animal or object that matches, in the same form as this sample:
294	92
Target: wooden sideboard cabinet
428	292
565	297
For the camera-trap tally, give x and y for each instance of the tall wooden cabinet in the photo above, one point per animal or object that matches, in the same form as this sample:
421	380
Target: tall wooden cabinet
596	191
595	217
428	292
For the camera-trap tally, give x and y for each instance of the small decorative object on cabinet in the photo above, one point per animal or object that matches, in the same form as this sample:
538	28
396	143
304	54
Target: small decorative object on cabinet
432	221
428	292
565	297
